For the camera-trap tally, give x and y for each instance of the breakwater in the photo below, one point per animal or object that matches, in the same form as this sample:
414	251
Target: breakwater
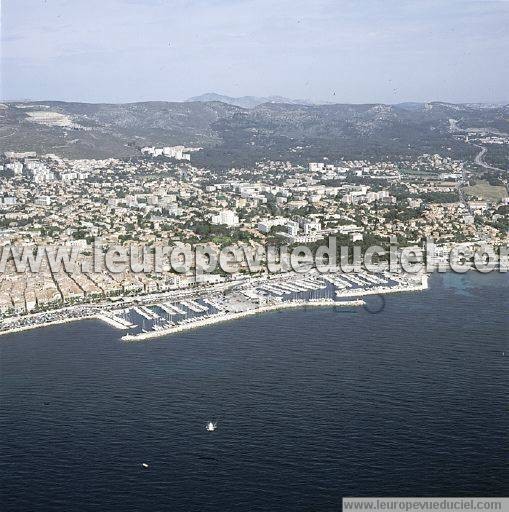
225	317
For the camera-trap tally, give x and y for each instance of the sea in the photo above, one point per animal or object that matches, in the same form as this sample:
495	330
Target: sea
407	396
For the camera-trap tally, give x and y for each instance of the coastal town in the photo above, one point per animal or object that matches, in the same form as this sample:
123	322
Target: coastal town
160	197
152	315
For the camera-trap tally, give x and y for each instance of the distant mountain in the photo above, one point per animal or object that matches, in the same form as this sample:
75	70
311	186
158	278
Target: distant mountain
410	105
101	130
248	101
231	135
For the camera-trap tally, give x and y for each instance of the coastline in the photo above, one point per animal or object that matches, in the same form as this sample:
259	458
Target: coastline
219	318
385	290
101	317
48	324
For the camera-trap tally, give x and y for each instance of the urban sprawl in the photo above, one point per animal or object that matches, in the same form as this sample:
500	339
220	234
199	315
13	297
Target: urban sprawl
161	198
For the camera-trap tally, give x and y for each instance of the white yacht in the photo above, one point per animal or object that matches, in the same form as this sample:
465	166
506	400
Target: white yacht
211	426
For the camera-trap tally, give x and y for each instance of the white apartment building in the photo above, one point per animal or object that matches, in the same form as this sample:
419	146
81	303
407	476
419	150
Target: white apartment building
227	217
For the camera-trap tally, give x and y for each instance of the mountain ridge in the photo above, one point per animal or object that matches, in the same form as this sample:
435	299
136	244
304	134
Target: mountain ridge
232	135
248	101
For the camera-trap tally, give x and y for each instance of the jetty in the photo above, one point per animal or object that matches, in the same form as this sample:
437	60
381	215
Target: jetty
145	312
378	290
115	321
214	318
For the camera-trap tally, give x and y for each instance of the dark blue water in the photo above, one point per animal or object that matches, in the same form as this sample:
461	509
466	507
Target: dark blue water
312	405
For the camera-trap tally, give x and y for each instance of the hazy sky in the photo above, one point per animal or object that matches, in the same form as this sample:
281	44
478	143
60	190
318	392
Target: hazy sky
333	50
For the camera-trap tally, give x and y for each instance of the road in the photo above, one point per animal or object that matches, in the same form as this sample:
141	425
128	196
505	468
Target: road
479	159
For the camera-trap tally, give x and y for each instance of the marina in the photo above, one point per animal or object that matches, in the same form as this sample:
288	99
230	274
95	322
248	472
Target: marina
146	317
270	295
218	317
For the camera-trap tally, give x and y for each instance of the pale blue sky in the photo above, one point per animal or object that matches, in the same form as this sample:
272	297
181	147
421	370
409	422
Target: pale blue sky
343	51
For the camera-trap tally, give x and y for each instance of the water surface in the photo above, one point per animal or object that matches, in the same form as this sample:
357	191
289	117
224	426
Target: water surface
312	405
